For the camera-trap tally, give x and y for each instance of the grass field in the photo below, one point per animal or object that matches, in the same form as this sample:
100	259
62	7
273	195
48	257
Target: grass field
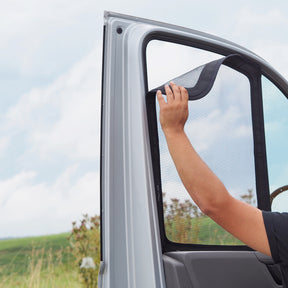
44	261
203	230
212	234
47	261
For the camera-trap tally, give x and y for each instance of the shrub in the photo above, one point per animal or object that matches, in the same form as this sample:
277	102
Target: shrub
85	246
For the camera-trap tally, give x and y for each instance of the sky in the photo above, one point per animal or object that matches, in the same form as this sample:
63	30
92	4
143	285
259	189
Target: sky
50	86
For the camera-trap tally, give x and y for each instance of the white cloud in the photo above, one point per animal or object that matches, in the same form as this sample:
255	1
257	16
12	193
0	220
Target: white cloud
60	120
206	131
175	190
45	39
4	142
252	19
264	32
166	61
65	116
31	208
42	39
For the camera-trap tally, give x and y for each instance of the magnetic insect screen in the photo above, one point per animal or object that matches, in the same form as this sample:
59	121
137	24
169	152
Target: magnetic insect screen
220	129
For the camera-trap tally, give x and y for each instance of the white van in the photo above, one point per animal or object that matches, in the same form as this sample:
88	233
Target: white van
153	235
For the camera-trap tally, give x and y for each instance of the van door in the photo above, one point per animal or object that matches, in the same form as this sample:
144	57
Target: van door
153	235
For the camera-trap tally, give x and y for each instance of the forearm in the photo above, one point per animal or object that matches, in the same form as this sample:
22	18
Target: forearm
205	188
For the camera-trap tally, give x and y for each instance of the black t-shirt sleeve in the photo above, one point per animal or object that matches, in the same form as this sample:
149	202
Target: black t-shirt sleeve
276	225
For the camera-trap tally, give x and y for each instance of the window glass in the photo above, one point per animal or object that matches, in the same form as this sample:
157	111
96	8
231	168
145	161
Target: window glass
220	129
276	133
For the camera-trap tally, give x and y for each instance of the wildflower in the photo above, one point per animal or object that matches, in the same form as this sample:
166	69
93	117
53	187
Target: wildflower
87	262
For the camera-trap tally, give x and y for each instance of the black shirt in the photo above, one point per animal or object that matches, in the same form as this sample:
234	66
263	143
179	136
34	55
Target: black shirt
276	225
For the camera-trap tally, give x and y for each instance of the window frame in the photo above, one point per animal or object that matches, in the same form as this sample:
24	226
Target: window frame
252	71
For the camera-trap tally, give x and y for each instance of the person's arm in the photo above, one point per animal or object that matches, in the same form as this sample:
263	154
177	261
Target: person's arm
240	219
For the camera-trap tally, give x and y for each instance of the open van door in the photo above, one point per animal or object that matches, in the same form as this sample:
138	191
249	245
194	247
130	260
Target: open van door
153	235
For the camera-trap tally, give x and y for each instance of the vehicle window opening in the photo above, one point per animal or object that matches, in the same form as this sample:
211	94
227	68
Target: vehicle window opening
275	105
219	127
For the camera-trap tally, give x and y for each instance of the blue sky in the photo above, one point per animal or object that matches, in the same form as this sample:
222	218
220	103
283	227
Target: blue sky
50	82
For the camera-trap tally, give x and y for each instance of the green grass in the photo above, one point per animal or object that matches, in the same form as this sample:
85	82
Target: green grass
203	231
212	234
17	253
47	261
44	261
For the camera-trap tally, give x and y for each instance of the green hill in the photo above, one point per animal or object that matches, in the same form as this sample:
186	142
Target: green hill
45	261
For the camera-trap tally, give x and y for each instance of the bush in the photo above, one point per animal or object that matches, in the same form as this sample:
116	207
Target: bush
85	246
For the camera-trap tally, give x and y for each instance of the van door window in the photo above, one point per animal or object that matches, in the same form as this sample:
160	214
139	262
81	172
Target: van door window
220	129
276	132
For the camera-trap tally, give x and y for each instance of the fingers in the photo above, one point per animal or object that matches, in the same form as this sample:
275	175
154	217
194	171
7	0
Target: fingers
184	93
176	93
174	112
160	98
169	94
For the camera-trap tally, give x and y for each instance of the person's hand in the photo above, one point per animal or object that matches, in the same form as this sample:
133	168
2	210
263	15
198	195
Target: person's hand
174	112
